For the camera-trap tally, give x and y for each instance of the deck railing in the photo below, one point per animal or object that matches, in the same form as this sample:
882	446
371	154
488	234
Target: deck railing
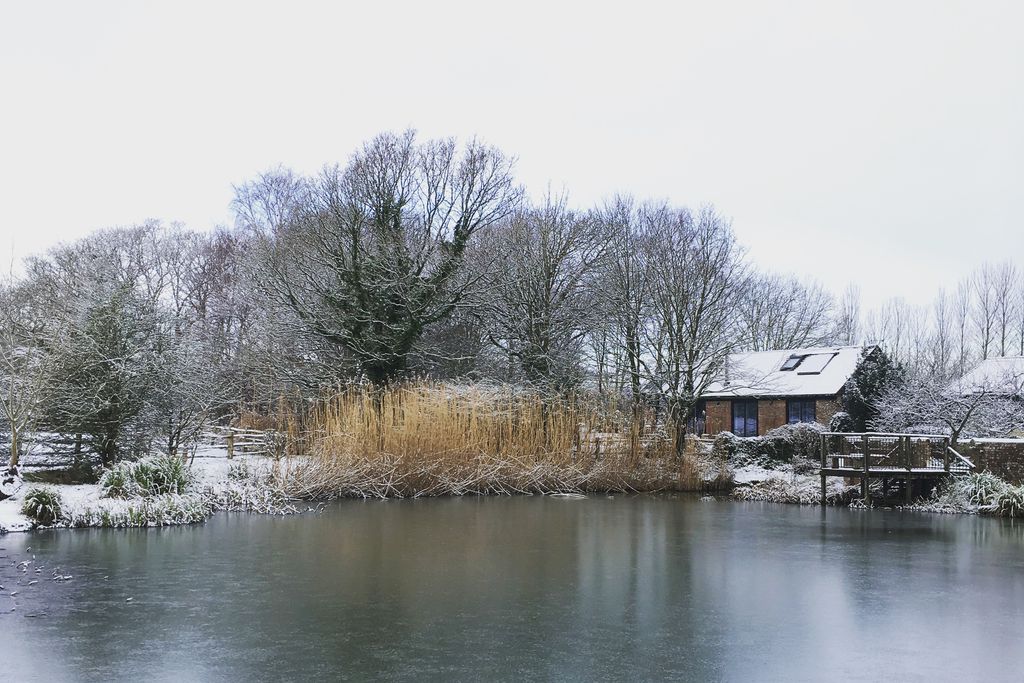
877	451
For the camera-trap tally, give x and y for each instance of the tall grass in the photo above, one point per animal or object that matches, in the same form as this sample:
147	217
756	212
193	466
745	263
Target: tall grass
428	439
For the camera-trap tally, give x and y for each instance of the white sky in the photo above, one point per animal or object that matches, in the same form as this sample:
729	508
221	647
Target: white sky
874	142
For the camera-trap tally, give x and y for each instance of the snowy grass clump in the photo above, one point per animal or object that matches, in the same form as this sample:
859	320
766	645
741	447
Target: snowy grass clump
239	471
799	490
162	510
43	505
156	476
978	492
979	489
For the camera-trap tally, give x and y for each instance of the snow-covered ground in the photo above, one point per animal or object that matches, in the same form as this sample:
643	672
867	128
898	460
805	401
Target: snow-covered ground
211	466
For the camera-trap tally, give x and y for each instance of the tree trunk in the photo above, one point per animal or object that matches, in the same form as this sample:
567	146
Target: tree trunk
15	448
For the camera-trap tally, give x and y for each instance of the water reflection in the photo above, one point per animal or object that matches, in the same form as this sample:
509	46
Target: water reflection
530	588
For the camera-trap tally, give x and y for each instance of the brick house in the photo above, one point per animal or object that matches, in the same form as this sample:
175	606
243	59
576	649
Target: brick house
762	390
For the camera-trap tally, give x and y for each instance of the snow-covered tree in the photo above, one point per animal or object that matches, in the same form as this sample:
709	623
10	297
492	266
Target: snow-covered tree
876	374
23	376
928	405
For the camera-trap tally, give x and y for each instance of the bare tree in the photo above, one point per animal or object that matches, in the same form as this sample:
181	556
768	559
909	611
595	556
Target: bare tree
370	255
779	312
540	307
985	307
1004	288
961	325
626	279
692	327
941	342
847	318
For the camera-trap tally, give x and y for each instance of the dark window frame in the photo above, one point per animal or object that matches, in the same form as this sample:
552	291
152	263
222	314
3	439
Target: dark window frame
801	410
748	417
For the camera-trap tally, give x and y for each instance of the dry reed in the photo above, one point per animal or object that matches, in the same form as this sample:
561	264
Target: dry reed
432	439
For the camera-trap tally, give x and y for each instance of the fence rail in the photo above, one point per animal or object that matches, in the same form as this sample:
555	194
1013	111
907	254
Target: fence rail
246	441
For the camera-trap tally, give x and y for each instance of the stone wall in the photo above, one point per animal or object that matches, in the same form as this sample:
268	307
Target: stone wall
770	414
1002	457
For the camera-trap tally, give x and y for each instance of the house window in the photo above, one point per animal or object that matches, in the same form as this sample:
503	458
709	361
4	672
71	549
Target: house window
800	410
744	418
792	362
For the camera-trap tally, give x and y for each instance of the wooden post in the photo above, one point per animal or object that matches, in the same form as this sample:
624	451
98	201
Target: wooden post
823	437
231	444
945	455
864	494
823	496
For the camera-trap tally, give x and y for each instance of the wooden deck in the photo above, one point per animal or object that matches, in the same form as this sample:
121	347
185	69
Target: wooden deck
900	458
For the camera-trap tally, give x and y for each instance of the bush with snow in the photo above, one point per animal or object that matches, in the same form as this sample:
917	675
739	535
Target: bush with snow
239	471
980	492
1008	503
163	474
980	488
43	505
841	422
801	441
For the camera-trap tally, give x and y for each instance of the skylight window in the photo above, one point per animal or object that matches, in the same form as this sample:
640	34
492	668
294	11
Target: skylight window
792	362
814	364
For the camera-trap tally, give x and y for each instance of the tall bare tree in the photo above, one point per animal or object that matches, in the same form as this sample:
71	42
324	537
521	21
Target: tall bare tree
626	282
984	308
369	255
540	306
692	329
848	317
1005	280
779	312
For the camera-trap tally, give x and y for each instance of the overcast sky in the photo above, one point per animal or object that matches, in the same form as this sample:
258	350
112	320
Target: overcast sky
874	142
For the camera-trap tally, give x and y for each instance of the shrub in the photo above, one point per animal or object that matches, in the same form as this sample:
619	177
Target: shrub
238	471
1009	502
841	422
780	445
979	489
43	505
148	477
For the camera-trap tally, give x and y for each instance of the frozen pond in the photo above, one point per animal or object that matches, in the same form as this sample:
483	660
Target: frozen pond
523	588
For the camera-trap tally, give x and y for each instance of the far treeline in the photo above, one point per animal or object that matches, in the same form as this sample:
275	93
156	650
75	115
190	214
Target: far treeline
422	259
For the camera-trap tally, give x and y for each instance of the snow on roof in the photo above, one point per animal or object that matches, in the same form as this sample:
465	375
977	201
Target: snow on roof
1003	375
818	371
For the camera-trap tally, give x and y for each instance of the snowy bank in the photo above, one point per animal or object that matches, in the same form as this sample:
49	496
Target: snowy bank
241	483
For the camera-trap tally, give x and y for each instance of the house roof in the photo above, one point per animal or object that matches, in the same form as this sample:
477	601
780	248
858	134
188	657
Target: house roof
816	371
1003	376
